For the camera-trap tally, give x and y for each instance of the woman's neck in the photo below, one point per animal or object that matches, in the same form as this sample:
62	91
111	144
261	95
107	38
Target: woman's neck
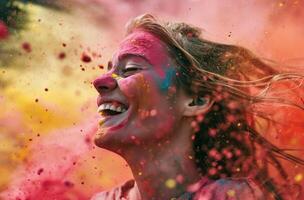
164	170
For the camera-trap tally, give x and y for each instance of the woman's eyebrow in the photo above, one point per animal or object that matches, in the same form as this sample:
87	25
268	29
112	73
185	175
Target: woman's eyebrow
124	56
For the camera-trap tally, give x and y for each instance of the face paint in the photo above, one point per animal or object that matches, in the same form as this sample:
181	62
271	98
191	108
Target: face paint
115	76
148	46
168	80
152	110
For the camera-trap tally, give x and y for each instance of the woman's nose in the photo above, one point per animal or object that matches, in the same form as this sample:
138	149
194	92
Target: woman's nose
105	83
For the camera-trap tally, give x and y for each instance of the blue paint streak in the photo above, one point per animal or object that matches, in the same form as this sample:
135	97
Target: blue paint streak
167	82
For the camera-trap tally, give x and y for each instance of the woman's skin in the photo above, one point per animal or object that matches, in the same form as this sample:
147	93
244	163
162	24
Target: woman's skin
154	134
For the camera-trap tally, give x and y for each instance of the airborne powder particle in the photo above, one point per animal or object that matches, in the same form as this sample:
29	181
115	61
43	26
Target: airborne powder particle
40	171
27	47
61	55
85	58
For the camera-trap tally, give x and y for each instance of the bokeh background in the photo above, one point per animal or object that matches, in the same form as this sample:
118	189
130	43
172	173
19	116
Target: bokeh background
50	51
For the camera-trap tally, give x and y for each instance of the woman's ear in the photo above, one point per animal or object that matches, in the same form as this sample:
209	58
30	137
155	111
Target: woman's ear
197	105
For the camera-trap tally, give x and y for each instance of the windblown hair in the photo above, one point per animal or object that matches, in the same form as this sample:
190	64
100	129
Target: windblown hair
228	141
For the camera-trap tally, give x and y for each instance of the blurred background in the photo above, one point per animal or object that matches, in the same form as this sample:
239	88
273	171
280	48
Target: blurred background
50	51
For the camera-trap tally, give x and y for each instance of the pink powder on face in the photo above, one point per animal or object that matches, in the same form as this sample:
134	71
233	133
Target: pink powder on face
147	45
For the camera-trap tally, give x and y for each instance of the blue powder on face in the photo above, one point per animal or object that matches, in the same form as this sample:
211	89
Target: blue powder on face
167	81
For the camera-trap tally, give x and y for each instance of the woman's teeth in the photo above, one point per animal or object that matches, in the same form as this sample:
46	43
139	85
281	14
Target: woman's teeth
110	109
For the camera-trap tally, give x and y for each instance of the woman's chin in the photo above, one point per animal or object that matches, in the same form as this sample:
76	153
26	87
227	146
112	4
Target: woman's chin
105	138
111	139
98	138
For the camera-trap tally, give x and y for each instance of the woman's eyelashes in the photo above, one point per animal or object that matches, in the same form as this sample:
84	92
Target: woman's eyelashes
131	69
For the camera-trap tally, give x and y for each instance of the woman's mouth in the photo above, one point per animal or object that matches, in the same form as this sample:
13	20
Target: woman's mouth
113	114
111	108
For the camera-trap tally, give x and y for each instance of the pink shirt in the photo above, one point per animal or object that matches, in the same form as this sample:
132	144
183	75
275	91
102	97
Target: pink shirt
222	189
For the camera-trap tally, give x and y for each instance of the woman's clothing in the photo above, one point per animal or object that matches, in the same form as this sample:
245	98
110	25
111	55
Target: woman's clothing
222	189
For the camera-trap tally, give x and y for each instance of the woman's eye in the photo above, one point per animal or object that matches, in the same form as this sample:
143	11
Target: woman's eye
130	70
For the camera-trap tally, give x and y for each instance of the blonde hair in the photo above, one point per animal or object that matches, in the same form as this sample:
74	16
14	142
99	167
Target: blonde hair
205	67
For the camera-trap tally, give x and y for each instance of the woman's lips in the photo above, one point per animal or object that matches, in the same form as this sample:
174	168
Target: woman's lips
114	122
102	100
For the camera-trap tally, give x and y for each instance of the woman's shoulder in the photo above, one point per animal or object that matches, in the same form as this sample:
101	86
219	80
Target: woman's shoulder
221	189
127	190
229	188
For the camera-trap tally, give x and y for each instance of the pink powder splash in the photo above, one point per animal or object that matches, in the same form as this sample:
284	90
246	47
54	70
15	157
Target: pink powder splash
264	27
46	173
3	30
271	29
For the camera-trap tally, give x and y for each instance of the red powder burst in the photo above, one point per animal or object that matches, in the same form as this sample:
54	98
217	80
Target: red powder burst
26	47
3	30
85	58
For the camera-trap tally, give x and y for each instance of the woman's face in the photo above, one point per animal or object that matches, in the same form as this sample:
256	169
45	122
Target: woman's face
138	100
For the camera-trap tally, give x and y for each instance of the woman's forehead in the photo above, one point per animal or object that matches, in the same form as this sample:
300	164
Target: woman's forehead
144	44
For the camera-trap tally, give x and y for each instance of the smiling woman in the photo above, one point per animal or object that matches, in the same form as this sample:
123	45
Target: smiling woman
182	111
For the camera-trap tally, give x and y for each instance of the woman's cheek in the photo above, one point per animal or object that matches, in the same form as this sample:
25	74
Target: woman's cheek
136	88
129	85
